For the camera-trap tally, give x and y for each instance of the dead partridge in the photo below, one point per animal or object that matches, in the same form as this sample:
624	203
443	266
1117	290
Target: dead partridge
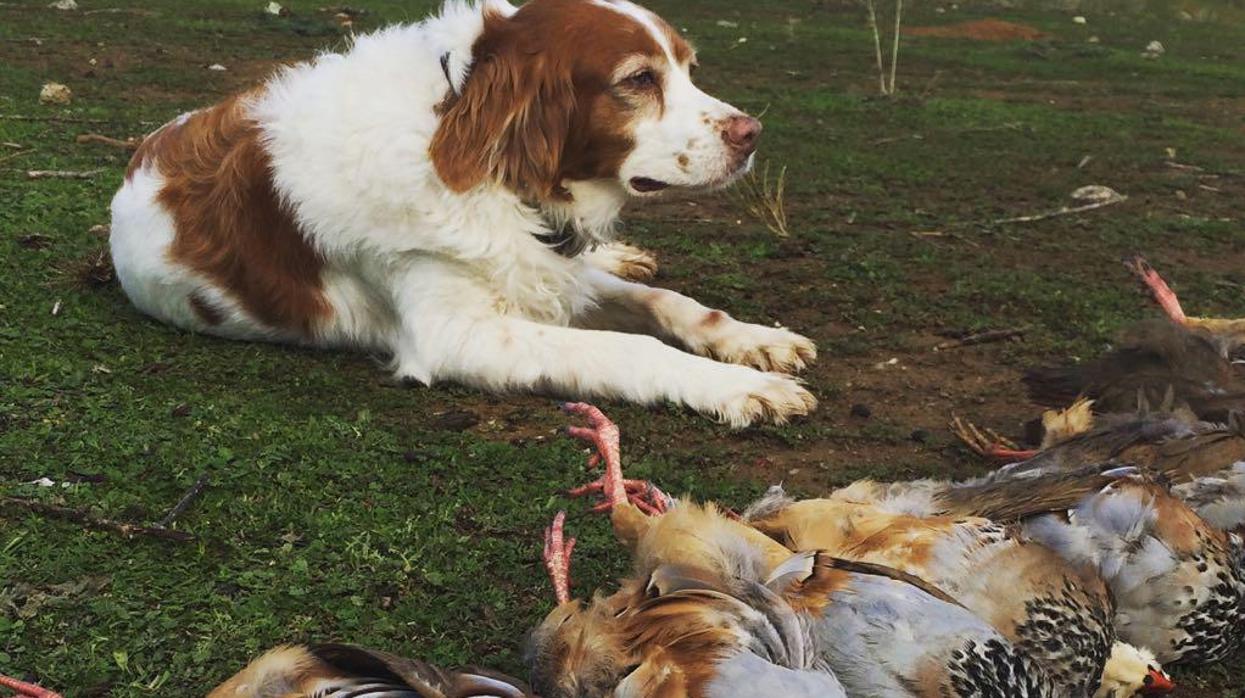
348	671
1228	334
1057	611
1194	358
1204	462
1151	359
880	631
1177	581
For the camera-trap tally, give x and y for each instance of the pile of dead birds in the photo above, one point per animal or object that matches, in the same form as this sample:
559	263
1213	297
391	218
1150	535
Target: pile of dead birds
1080	568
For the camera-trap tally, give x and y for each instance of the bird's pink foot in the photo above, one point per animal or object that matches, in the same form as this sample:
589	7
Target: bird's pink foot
557	557
601	433
604	435
988	442
28	690
643	494
1158	288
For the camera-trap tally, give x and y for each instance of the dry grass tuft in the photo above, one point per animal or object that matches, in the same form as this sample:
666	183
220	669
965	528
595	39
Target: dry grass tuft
763	198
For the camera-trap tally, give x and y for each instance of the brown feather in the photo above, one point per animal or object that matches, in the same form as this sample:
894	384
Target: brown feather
1011	499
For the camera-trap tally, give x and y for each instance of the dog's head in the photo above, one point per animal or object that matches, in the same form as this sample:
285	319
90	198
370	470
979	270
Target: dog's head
565	91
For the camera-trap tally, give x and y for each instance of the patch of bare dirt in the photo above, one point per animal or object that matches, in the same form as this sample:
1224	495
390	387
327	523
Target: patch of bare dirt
980	30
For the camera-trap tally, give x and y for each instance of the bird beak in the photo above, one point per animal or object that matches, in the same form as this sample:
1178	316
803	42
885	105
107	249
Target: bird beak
1157	683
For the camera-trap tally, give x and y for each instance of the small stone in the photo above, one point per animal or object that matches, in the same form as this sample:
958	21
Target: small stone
64	5
274	8
1155	47
861	410
1078	20
217	67
1094	39
55	93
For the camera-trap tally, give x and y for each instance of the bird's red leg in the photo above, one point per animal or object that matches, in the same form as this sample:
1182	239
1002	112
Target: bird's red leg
603	435
1012	455
557	557
26	689
1159	290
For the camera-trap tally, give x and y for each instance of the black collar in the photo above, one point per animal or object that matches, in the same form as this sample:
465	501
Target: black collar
564	240
445	68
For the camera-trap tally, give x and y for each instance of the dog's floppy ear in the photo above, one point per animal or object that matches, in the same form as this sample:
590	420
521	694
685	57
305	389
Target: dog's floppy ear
511	120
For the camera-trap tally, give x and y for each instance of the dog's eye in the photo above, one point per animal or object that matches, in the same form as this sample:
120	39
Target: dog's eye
642	80
692	68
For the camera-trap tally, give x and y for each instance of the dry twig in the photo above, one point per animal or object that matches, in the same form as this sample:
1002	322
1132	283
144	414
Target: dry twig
90	520
52	118
184	503
127	144
17	154
63	174
1065	211
982	338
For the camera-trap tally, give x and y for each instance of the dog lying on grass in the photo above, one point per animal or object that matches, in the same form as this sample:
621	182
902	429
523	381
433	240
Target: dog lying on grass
445	192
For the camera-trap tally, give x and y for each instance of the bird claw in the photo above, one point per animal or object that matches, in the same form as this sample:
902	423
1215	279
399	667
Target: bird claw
987	442
642	494
600	433
603	435
557	558
28	690
1158	288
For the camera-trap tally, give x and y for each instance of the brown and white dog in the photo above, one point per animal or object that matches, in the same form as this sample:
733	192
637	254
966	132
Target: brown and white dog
439	193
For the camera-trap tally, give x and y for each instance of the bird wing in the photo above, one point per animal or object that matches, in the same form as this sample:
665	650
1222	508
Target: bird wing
415	677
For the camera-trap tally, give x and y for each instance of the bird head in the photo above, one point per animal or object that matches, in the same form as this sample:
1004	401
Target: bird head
1132	671
577	650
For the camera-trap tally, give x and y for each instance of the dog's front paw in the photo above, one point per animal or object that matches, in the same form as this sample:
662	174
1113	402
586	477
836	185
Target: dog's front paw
770	398
763	348
625	261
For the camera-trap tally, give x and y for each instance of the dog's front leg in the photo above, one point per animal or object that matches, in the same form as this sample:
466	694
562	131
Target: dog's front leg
634	307
450	330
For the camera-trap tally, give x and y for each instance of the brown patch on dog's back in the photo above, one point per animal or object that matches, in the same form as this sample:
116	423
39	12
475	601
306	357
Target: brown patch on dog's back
206	311
230	224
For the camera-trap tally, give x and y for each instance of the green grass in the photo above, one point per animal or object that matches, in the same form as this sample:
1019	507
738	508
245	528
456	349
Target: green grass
344	507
